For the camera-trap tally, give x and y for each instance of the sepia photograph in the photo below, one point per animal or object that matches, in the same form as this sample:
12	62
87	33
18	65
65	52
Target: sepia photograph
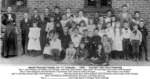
75	32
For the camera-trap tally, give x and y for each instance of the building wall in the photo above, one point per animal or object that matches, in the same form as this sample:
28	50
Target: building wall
141	5
41	4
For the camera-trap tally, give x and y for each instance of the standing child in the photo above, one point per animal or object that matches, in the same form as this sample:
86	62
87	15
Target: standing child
136	39
70	54
107	45
117	41
34	46
126	32
143	45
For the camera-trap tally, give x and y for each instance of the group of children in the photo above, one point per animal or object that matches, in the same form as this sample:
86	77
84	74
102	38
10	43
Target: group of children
95	39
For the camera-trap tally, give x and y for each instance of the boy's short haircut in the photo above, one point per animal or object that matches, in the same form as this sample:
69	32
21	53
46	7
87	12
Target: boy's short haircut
136	12
105	35
124	5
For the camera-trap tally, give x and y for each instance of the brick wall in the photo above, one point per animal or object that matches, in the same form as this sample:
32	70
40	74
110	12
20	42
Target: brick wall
41	4
141	5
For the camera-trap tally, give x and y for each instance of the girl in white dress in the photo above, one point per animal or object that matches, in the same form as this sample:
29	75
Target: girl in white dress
54	47
117	40
91	26
70	54
34	46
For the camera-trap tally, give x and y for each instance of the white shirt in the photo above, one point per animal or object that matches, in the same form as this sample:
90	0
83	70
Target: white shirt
126	33
138	36
55	44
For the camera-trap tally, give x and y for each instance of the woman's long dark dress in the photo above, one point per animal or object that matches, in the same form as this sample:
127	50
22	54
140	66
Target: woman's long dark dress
9	48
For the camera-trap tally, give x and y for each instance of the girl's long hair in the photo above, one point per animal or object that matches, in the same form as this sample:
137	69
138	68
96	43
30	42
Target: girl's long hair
120	29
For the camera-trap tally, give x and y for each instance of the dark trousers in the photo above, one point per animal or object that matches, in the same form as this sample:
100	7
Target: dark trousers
143	49
117	54
135	48
126	48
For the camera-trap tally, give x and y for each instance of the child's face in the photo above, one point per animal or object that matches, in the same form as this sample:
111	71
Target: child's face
25	15
56	10
68	10
108	25
109	14
76	31
85	33
99	46
113	19
90	21
135	27
51	19
125	9
65	29
137	14
82	24
71	45
64	17
34	25
80	13
96	32
90	34
101	19
57	25
35	12
9	9
126	25
82	46
46	10
141	24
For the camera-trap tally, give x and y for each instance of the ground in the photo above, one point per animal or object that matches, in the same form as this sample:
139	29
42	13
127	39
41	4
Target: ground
28	60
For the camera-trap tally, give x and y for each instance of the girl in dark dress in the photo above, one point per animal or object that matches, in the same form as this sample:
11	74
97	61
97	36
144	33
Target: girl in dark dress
9	48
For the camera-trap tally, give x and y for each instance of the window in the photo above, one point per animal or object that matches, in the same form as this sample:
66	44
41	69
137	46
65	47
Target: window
97	3
17	4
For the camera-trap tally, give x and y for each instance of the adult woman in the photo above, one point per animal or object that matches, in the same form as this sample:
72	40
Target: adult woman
10	37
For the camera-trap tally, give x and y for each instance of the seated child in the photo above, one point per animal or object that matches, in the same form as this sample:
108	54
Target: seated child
76	37
34	46
70	54
81	52
100	59
54	47
50	25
